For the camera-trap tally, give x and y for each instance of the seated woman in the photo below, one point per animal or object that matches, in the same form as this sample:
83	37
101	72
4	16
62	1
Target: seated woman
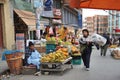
32	56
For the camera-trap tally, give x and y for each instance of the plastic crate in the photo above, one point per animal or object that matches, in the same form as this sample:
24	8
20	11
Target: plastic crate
76	57
76	61
49	51
51	42
50	46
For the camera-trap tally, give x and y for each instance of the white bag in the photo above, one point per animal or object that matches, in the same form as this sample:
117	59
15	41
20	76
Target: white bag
99	39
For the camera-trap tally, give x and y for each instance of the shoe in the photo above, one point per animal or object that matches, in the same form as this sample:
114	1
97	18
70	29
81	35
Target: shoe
87	69
37	73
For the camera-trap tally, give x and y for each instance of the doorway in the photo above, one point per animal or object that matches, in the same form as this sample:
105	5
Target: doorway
1	31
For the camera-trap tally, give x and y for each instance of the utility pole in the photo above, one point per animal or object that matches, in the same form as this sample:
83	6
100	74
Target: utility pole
38	5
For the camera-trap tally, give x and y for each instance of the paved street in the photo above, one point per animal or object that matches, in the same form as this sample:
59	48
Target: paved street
3	66
102	68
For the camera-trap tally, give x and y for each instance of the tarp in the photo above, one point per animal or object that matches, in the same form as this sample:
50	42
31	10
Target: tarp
27	17
30	19
96	4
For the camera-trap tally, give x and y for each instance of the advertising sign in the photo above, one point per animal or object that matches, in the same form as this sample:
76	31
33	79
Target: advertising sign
48	9
57	13
20	44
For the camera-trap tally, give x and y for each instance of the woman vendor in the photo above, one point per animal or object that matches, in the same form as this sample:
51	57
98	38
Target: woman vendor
32	56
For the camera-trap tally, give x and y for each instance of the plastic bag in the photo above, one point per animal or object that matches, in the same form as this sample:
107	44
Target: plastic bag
51	31
8	52
101	41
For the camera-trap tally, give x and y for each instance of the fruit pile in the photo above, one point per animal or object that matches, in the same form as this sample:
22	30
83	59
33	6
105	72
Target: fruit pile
113	46
75	50
51	40
59	56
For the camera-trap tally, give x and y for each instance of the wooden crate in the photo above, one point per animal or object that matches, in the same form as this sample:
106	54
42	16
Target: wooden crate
41	49
27	70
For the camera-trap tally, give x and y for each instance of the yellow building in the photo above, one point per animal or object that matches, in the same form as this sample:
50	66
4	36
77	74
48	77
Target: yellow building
6	25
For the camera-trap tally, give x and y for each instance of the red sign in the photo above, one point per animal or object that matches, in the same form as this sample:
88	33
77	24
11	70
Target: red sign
117	30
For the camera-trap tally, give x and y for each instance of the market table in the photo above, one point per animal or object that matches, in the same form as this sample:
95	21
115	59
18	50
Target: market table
56	67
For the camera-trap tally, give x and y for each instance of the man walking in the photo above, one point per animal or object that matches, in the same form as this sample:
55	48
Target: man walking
105	47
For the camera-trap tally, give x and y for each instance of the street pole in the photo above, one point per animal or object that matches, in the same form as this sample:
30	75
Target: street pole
38	4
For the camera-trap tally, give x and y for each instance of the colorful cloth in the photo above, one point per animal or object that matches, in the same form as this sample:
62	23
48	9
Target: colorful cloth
28	53
35	59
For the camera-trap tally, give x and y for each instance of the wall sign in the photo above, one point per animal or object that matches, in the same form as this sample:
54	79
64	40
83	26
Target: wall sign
57	13
20	44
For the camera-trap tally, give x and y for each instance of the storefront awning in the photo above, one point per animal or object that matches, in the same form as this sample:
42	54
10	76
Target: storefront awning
96	4
30	20
2	1
28	17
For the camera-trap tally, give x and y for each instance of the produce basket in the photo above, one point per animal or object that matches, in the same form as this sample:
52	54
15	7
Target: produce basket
14	62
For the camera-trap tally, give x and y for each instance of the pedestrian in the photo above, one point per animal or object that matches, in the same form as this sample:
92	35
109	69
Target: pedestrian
105	47
119	41
86	48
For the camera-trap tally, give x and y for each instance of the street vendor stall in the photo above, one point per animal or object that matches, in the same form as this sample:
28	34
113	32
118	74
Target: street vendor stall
58	61
56	67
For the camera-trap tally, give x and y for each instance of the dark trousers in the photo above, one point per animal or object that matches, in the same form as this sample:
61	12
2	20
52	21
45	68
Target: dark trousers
104	50
86	57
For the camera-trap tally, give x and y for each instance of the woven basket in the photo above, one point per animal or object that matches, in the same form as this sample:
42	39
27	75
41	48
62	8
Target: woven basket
14	62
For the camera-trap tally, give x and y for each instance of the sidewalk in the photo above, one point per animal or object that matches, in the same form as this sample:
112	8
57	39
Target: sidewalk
102	68
3	66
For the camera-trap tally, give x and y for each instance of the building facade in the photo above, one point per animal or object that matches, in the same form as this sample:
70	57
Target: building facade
7	39
97	24
101	23
114	21
89	24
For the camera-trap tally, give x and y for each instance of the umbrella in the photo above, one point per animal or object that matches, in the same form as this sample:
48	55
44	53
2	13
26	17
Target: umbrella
96	4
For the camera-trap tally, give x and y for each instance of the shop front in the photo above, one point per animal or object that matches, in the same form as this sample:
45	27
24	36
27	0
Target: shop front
6	25
25	23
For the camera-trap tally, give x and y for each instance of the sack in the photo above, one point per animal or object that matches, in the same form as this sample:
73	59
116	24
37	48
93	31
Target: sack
82	48
101	41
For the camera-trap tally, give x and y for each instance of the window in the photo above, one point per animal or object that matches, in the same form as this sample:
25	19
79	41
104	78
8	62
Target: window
33	35
69	17
57	4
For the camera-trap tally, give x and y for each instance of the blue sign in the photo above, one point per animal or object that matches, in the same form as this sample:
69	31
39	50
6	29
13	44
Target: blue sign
48	5
80	20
